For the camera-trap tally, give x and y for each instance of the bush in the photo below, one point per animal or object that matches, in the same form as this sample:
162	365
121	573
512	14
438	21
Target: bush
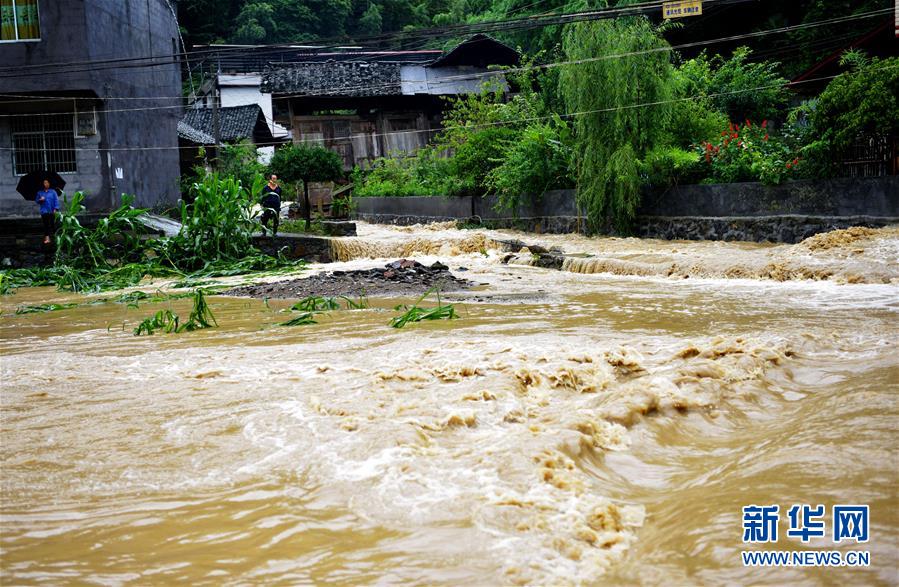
536	161
749	153
240	161
480	154
425	174
663	167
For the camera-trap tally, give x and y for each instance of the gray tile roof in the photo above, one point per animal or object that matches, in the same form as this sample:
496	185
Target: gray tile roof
187	132
375	74
236	123
334	78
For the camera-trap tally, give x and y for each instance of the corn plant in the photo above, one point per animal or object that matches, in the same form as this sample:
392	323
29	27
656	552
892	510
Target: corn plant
200	317
361	302
164	320
301	320
416	313
217	224
40	308
316	304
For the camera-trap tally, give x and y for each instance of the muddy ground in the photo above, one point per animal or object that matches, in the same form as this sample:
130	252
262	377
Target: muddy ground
401	277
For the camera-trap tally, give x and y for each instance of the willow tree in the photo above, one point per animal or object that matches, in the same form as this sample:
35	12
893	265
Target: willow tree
618	95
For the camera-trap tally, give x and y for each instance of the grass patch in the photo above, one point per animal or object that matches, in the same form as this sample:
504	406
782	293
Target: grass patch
299	227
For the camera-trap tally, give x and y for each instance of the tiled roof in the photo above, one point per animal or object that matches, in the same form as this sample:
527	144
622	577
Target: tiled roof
186	131
235	122
375	74
334	78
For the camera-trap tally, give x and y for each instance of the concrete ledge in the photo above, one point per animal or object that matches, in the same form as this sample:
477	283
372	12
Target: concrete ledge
316	249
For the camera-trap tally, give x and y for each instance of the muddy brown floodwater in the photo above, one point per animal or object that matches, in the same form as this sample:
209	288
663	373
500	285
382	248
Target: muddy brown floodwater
603	424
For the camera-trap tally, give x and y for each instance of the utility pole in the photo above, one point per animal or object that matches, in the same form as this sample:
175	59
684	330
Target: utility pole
216	119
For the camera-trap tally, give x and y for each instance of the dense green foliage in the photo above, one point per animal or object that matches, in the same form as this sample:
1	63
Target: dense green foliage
217	223
862	100
629	114
740	88
537	159
749	153
240	161
215	240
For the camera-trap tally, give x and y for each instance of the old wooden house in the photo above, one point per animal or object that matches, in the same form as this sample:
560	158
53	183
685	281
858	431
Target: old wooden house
368	104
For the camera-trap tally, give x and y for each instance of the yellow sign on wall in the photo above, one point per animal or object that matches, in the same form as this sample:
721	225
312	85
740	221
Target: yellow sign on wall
682	8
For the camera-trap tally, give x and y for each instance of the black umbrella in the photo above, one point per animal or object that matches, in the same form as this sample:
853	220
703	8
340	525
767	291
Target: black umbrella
31	183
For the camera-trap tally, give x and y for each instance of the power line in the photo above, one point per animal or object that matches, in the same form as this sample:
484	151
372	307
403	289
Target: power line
495	123
502	25
495	73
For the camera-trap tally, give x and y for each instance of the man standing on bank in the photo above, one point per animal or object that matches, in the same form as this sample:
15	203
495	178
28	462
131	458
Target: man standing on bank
271	204
49	203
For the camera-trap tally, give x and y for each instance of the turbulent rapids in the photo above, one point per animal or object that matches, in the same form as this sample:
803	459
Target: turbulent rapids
600	424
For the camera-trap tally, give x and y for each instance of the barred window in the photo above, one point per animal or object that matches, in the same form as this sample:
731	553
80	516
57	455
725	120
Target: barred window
19	20
43	142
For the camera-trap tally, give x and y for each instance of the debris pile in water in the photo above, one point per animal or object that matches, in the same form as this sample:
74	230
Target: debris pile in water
403	276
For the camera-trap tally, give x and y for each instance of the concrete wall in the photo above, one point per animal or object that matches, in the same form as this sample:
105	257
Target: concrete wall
142	143
847	196
747	211
89	177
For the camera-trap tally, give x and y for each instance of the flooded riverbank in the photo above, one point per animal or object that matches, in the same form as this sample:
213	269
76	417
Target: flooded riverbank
573	427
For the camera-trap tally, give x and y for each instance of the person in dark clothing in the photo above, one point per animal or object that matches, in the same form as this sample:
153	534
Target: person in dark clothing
49	204
271	204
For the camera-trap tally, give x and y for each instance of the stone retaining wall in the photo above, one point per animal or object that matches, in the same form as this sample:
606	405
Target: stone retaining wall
742	211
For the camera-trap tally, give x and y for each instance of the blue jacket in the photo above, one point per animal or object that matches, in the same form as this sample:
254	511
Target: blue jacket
50	203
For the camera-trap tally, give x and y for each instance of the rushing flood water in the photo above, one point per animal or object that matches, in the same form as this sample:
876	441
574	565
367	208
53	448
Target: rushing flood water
587	426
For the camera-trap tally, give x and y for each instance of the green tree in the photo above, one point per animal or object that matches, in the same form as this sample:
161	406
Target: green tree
256	23
612	132
746	90
299	163
862	100
370	23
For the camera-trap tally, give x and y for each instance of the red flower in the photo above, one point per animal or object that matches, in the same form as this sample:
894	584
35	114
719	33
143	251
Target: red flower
788	165
748	124
765	123
735	135
723	134
708	157
796	161
766	137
